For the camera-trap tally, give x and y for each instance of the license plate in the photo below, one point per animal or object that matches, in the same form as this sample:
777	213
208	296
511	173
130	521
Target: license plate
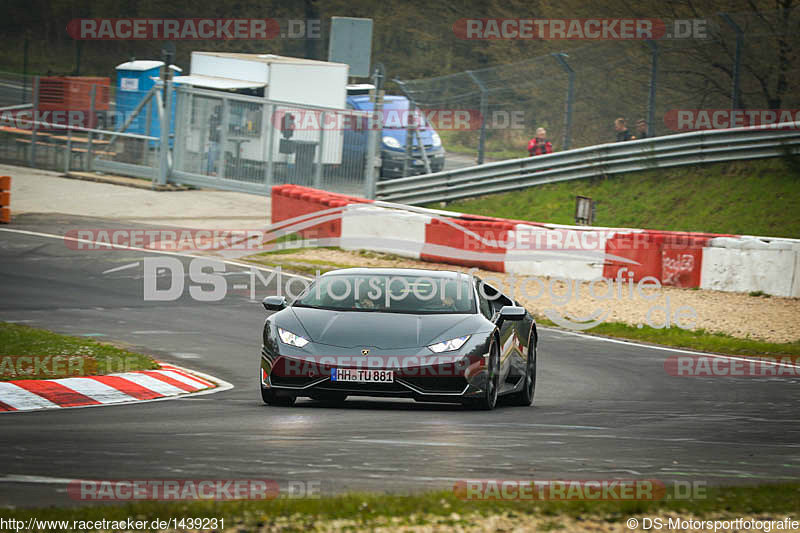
361	375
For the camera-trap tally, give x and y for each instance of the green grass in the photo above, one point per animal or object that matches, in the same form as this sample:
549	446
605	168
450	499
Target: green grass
751	198
426	507
696	339
69	356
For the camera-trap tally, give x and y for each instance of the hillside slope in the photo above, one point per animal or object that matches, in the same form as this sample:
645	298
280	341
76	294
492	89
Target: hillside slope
753	198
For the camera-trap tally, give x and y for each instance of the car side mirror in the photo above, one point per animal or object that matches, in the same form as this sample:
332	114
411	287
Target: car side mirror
274	303
511	312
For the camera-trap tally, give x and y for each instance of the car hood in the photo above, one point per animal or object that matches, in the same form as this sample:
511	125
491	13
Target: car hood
350	329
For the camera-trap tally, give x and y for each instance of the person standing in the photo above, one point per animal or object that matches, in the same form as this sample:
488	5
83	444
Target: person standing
623	134
539	145
641	129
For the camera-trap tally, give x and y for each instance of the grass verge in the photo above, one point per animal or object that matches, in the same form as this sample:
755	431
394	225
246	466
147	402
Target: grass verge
32	353
367	510
696	339
760	197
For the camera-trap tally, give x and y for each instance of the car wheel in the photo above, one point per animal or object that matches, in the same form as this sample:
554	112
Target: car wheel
525	396
488	400
270	397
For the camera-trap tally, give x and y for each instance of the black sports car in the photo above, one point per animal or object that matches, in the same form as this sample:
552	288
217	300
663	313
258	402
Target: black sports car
424	334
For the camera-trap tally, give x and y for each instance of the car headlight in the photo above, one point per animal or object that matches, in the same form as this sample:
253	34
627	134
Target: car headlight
437	141
391	142
449	346
292	339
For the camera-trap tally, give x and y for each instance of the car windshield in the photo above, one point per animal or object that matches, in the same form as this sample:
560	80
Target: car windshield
389	293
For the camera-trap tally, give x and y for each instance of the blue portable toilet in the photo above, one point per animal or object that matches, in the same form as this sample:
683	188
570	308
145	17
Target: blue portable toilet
134	80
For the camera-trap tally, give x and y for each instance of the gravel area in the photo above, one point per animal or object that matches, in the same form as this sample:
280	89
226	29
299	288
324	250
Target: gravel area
516	523
770	319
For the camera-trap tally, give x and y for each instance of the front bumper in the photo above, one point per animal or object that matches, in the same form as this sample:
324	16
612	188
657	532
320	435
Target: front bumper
422	377
392	162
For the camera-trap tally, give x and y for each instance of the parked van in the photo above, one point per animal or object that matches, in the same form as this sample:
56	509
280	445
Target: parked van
393	136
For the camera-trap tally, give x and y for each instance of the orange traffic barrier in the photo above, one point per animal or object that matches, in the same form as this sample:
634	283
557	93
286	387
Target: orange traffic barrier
5	199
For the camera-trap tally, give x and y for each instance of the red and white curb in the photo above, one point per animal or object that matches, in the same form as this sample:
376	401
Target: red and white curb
169	381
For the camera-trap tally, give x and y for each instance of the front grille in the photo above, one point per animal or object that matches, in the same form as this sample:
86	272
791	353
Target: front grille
435	384
362	387
291	381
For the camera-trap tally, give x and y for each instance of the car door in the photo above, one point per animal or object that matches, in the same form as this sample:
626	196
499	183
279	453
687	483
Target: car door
491	300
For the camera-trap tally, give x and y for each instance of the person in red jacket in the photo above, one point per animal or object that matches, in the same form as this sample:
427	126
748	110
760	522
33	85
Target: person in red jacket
539	145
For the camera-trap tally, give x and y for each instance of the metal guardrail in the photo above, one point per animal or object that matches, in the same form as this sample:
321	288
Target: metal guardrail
707	146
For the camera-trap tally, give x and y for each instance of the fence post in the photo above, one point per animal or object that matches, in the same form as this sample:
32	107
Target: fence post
267	123
25	69
35	122
318	170
737	61
375	134
484	110
223	138
68	153
182	103
651	98
559	56
165	107
92	125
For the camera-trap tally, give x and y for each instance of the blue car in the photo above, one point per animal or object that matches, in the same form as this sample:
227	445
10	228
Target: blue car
393	138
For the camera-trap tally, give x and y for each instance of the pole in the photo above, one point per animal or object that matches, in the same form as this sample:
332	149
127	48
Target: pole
68	154
92	125
559	56
737	61
374	134
268	123
651	98
318	170
484	110
25	69
35	122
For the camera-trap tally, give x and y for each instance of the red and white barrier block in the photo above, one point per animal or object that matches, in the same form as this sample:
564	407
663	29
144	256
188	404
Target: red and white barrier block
126	387
680	259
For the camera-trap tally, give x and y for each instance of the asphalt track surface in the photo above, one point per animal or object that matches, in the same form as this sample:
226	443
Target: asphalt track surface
602	410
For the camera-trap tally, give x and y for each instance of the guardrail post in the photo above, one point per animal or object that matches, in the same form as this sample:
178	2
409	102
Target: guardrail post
651	98
737	61
559	56
484	110
92	125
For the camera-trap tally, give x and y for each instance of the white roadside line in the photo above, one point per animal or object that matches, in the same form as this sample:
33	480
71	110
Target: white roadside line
764	360
147	250
248	265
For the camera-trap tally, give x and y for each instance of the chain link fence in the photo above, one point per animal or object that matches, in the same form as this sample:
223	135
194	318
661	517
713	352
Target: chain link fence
649	80
248	143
